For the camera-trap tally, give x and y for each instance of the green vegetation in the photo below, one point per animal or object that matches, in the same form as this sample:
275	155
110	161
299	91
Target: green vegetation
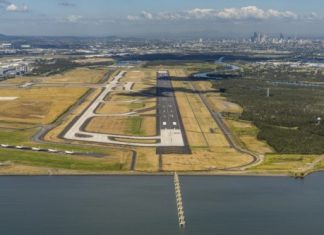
135	125
276	162
54	67
283	73
57	66
135	106
58	161
292	140
193	65
23	137
286	119
320	165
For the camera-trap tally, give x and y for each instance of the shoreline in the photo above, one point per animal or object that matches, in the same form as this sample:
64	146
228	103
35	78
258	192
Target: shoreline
222	173
242	174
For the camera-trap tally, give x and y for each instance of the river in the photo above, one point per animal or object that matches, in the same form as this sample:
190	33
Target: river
145	205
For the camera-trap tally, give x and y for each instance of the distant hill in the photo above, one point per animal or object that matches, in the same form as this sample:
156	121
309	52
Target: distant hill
2	36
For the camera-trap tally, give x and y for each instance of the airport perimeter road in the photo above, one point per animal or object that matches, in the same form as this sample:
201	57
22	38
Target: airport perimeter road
168	115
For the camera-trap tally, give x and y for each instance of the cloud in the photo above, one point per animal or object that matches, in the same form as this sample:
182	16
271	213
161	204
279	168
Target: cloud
147	15
67	4
14	8
132	18
234	14
73	18
252	12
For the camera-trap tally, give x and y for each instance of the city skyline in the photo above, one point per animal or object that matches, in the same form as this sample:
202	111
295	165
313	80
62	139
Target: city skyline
154	19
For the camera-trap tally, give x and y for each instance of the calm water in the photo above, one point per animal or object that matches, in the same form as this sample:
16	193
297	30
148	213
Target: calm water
146	205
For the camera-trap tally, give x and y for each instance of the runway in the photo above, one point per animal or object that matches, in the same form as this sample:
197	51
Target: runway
168	115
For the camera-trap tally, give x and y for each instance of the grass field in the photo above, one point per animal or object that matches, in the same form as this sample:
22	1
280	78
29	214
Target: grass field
247	134
140	76
122	96
135	125
79	75
209	159
283	163
147	160
23	137
62	162
20	118
220	104
53	135
24	161
42	105
201	129
124	107
37	105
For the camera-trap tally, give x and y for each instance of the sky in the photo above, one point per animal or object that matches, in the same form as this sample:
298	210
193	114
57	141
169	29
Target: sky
167	18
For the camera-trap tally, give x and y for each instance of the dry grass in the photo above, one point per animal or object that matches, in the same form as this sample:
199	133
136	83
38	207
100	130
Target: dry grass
120	96
149	125
201	129
284	163
178	73
114	108
138	126
193	130
244	131
123	107
53	134
219	104
216	101
19	80
80	75
203	159
216	140
37	105
152	141
14	125
247	134
140	76
252	143
15	169
142	87
147	160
